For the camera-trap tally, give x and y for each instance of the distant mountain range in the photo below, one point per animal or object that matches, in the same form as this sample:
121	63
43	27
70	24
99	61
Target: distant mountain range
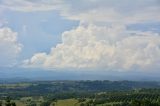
39	74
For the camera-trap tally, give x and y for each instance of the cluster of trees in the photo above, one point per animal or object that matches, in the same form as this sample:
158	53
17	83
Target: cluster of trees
129	97
8	102
145	97
49	102
145	102
134	102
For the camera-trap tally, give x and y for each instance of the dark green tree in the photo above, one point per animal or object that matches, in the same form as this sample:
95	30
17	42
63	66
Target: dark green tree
8	101
13	104
0	103
45	103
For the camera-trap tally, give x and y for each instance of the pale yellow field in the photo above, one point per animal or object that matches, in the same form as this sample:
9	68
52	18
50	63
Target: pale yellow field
67	102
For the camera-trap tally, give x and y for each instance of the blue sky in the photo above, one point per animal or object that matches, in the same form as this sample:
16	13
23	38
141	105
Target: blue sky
83	35
37	31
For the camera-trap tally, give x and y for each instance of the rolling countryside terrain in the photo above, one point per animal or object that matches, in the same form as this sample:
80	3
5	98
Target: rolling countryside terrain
80	93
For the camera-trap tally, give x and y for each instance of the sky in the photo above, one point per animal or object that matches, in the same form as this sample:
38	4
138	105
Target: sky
83	35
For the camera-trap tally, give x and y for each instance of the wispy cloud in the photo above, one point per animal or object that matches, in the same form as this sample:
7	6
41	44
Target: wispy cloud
31	5
124	11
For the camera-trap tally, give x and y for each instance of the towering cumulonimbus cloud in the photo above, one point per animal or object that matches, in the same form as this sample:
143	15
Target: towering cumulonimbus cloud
100	47
9	47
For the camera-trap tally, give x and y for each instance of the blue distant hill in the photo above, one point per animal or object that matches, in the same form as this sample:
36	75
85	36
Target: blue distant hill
39	74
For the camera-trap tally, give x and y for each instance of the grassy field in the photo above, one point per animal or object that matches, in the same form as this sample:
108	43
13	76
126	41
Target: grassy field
19	103
67	102
74	102
13	86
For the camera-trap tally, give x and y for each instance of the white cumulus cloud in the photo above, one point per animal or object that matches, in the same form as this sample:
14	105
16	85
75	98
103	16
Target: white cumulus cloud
101	47
9	47
102	40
